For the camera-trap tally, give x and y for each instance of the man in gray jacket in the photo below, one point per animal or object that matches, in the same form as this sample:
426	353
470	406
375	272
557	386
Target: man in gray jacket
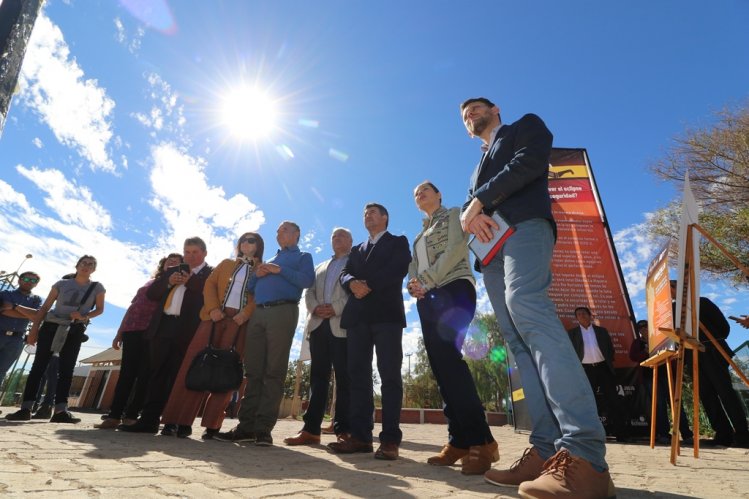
325	300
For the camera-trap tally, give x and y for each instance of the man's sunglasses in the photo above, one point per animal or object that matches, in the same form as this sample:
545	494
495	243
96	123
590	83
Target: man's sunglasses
250	240
30	279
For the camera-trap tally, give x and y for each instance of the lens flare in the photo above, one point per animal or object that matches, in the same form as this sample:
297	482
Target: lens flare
476	345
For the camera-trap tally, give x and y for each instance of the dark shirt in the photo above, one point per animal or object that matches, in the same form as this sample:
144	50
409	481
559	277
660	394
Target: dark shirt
140	311
17	298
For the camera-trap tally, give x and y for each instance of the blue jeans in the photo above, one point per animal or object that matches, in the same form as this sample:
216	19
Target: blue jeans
559	398
10	349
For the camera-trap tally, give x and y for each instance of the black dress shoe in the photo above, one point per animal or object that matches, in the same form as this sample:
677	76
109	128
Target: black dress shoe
19	415
209	433
184	431
44	412
235	435
140	427
64	417
169	430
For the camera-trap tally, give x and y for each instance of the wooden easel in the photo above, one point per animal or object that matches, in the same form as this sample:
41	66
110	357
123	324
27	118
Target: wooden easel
686	342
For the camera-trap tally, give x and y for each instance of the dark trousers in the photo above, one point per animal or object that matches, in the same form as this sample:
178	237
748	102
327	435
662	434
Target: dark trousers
68	357
445	314
327	350
721	403
601	378
362	339
133	381
166	353
48	383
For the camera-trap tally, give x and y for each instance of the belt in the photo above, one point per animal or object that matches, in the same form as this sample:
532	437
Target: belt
595	364
276	303
14	333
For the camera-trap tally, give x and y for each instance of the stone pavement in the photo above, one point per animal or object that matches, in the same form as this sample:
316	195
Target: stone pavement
42	459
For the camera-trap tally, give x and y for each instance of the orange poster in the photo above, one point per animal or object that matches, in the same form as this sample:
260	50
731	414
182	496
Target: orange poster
585	268
658	299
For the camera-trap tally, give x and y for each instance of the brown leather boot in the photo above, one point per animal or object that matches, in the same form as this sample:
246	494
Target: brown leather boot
480	458
527	468
565	475
448	456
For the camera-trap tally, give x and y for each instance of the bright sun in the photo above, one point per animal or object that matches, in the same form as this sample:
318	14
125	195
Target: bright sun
248	113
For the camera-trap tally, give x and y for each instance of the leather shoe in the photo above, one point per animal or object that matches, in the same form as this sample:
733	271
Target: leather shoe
302	438
140	427
480	458
184	431
528	467
565	475
350	445
387	451
448	456
209	433
169	430
108	424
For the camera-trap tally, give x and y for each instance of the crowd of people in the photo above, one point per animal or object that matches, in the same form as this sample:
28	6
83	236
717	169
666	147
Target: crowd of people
355	308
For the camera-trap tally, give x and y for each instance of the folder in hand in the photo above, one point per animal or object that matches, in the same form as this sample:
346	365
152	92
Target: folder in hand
485	252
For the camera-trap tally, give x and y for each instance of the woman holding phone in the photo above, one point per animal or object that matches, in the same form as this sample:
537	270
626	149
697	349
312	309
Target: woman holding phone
441	280
226	309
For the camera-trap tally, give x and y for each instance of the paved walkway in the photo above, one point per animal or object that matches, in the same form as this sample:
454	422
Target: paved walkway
42	459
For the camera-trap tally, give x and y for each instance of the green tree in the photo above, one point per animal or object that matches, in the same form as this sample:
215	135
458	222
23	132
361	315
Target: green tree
486	356
288	386
717	160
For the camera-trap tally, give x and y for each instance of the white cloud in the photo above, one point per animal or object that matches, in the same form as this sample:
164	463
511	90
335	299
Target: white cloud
76	109
73	204
38	142
131	43
166	114
191	206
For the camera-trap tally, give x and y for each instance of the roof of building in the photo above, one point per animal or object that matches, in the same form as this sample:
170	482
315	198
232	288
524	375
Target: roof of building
108	355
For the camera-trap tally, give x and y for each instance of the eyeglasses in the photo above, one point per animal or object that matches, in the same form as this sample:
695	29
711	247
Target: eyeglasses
250	240
33	280
88	264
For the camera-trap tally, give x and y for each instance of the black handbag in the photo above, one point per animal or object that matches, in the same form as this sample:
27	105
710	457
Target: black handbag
215	370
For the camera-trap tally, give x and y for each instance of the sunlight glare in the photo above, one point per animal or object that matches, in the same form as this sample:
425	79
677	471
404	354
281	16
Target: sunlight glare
248	113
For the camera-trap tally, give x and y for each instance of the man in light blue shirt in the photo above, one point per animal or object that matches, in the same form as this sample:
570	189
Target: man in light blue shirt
277	286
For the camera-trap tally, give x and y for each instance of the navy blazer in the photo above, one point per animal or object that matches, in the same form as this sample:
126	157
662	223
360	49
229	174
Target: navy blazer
512	177
604	344
384	270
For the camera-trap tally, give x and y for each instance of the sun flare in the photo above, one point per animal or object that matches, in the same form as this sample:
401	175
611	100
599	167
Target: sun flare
248	113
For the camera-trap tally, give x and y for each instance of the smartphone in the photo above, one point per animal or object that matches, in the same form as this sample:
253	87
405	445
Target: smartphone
733	317
183	267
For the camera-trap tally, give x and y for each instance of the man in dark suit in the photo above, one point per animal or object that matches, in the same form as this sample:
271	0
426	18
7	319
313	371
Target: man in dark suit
512	180
722	405
374	317
173	325
596	353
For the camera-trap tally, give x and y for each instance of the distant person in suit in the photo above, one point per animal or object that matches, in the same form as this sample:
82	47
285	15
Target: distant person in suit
374	317
179	292
325	300
441	280
567	457
722	405
596	352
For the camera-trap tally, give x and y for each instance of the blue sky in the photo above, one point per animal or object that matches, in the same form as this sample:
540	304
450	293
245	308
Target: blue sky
117	144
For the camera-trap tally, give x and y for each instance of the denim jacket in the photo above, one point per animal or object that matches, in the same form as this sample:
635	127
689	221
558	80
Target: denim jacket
446	247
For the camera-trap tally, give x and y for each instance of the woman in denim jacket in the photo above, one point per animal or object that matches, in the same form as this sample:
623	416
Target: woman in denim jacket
441	280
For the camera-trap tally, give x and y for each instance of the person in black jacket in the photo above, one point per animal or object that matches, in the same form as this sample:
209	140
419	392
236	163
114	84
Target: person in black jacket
721	402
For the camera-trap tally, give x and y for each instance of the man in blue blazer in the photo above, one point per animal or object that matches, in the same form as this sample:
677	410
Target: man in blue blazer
566	457
374	318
